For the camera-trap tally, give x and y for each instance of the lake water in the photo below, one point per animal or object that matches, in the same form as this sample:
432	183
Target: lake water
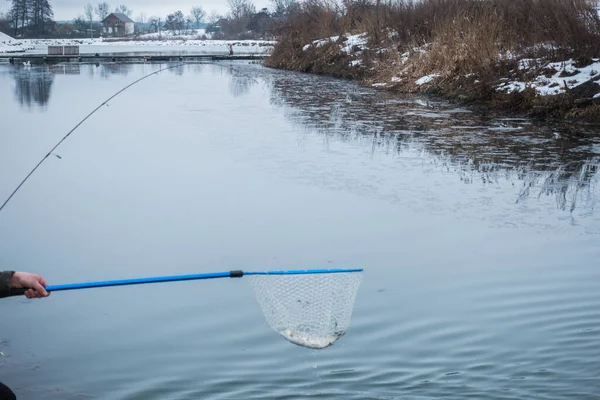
478	235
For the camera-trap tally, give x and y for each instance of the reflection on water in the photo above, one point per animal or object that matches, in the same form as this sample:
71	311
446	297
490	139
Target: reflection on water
33	85
476	233
33	88
562	161
64	69
547	160
109	69
241	82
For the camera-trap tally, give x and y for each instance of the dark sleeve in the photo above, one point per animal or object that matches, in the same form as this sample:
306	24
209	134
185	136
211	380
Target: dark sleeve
4	279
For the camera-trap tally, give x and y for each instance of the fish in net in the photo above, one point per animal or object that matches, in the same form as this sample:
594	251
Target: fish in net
311	310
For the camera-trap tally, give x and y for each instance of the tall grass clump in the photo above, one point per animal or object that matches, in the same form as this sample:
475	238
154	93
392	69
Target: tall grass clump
467	44
306	22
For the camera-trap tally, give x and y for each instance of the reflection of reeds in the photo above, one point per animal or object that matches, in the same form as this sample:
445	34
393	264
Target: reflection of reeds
571	183
477	148
241	81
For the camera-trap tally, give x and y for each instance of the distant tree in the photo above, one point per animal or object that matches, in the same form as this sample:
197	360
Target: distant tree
19	11
260	22
240	14
5	19
80	23
102	10
154	23
283	8
124	10
88	12
197	14
214	22
40	14
214	17
141	25
175	22
65	30
240	9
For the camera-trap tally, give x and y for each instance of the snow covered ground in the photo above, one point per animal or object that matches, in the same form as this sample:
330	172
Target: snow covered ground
554	78
194	34
547	78
349	42
181	46
10	45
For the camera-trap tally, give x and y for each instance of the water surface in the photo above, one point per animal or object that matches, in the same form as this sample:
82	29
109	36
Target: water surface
478	235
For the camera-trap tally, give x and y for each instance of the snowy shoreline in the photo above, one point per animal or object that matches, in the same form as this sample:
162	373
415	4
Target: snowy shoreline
543	87
545	77
39	46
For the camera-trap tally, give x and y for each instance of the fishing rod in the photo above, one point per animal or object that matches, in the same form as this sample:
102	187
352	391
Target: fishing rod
79	124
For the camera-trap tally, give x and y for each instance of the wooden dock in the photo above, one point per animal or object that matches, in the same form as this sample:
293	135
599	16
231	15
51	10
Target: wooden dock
137	58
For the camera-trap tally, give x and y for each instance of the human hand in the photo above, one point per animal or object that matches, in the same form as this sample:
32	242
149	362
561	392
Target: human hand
32	282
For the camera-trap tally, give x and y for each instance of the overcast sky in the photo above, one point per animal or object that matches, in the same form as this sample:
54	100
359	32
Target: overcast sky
69	9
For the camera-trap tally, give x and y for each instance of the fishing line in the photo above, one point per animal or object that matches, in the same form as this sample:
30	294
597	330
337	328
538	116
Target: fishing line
93	112
79	124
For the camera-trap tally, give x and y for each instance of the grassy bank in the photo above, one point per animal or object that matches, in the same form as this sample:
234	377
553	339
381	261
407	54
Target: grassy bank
536	57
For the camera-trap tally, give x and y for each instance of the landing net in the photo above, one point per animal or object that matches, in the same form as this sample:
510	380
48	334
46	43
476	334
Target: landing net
312	310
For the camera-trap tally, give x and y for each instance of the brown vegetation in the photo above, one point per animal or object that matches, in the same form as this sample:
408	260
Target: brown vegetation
468	44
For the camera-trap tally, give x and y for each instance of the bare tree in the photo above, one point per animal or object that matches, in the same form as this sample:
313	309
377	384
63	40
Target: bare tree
239	9
154	23
197	15
142	18
282	8
88	12
102	10
123	9
214	17
240	14
175	22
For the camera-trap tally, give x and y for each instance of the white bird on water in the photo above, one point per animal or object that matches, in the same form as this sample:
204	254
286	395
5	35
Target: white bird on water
27	63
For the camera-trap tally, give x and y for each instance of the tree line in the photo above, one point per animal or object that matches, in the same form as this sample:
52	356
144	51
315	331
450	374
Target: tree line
34	18
242	21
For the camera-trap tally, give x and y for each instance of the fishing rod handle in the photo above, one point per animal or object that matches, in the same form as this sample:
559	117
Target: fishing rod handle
126	282
17	292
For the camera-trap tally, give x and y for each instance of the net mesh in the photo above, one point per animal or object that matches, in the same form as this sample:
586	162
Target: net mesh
311	310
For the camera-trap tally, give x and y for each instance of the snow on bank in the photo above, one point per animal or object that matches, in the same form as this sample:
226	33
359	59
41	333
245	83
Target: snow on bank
547	78
350	43
10	45
426	79
194	34
40	46
554	78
